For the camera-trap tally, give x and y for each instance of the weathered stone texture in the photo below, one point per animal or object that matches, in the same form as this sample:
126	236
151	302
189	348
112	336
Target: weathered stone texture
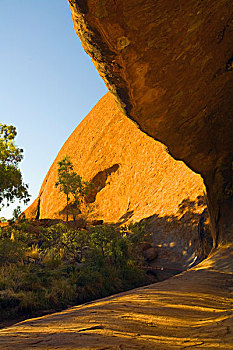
134	176
170	66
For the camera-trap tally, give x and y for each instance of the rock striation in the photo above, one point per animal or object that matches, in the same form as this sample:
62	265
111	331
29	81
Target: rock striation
169	65
134	178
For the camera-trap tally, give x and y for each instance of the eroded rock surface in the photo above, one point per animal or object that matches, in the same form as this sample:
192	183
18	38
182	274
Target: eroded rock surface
170	66
134	178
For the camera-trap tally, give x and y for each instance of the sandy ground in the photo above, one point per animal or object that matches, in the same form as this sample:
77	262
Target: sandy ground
193	310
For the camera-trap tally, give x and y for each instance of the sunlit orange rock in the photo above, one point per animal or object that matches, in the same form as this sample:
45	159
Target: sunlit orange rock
134	178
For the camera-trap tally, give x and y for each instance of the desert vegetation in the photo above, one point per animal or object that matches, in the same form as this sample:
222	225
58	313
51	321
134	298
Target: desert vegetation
49	265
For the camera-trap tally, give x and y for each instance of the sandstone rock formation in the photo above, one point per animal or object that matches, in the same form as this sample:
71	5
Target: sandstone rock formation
170	65
134	177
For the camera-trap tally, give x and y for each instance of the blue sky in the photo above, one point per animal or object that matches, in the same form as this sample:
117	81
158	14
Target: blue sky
48	83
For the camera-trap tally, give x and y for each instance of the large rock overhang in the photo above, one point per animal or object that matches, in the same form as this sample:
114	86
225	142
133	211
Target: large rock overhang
170	66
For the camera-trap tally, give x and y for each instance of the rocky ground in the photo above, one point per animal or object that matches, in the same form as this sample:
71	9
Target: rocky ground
189	311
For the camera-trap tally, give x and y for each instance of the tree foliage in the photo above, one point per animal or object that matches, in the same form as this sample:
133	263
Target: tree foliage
72	185
11	182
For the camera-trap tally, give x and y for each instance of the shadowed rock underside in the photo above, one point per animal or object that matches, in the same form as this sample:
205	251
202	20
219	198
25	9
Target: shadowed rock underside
169	65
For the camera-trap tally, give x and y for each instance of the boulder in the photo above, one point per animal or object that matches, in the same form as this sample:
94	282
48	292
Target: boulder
150	254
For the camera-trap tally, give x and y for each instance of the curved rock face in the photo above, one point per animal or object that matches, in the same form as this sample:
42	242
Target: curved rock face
133	175
134	178
170	66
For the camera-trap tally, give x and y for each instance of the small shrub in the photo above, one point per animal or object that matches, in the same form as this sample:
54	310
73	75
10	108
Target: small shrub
11	251
52	258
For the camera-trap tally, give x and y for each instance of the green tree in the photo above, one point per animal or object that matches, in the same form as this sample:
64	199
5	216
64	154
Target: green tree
11	182
71	184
